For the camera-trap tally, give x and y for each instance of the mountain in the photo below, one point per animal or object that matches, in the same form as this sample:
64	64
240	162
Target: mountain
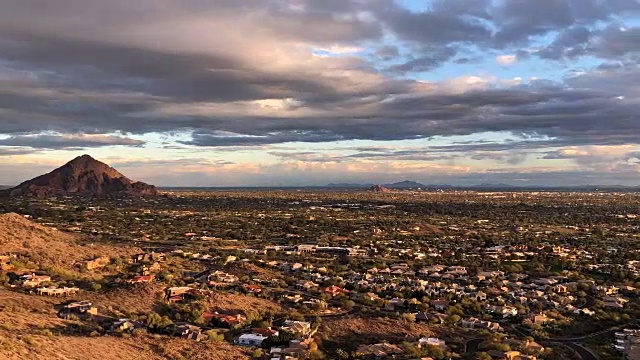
379	188
492	186
83	175
405	185
348	186
397	185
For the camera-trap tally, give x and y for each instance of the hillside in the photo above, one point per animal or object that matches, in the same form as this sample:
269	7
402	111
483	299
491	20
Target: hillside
83	175
45	246
30	329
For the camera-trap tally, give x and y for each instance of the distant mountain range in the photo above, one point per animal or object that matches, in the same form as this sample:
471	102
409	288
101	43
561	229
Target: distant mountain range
401	185
413	185
397	185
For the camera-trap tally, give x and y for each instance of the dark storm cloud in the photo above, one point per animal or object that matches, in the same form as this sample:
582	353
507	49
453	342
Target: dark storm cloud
182	77
388	52
205	139
570	43
520	20
73	77
616	42
68	141
439	26
432	59
500	24
378	154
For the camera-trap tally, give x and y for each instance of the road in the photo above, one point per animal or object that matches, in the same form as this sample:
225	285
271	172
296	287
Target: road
606	332
586	354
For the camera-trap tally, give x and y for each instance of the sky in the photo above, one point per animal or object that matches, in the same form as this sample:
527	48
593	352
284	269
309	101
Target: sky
309	92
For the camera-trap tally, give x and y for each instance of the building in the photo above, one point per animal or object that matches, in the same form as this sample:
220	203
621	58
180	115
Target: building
251	339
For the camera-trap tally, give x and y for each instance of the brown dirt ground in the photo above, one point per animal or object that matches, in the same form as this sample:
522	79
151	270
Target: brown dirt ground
237	303
48	247
374	330
137	298
25	321
251	270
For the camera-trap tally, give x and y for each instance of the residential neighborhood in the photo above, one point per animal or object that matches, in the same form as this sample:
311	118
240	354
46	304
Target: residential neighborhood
469	275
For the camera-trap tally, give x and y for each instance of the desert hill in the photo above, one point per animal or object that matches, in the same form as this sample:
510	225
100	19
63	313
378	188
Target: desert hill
83	175
46	246
379	189
30	329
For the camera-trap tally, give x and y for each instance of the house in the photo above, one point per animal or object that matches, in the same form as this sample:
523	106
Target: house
505	311
297	327
51	291
297	349
215	278
480	296
424	342
149	257
224	319
439	305
148	269
252	289
334	290
306	248
295	298
586	311
540	319
177	291
379	350
34	280
265	331
97	263
191	332
607	290
560	289
533	346
397	302
250	339
122	325
456	270
431	317
516	355
82	309
614	302
369	296
306	285
474	323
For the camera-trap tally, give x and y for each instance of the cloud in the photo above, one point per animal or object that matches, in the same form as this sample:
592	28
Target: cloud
68	141
389	73
387	52
440	26
506	60
13	151
616	41
431	60
520	20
